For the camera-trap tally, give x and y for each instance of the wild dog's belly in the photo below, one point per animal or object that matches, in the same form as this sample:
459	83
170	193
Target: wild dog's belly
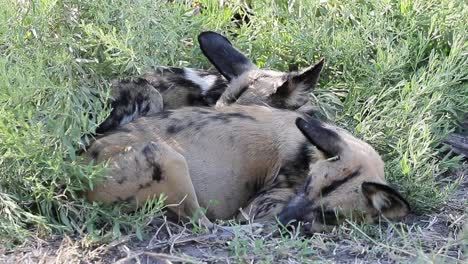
221	190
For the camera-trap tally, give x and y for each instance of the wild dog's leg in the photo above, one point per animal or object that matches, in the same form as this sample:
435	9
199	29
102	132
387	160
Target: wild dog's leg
131	99
266	205
171	176
144	171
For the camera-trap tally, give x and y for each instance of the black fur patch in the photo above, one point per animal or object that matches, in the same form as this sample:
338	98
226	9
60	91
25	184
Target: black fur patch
280	97
121	107
196	100
205	118
213	94
174	129
140	99
296	209
175	70
296	169
199	125
265	207
145	109
240	115
334	185
184	82
140	81
110	123
228	117
325	139
219	51
123	99
94	154
157	174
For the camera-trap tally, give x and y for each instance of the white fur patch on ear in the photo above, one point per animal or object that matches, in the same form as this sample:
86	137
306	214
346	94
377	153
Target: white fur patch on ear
379	201
385	199
205	82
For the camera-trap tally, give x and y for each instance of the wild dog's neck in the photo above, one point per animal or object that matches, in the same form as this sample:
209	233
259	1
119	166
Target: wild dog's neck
295	151
295	168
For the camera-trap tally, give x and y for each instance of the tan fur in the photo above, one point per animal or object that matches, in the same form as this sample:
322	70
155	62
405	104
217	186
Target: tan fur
228	156
237	162
272	88
259	84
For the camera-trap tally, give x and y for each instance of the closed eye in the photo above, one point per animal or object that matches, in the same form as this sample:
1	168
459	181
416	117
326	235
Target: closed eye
328	217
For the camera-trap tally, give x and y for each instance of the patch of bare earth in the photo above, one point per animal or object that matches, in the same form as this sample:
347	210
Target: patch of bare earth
440	237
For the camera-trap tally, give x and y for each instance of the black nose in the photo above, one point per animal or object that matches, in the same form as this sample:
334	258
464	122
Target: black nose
296	209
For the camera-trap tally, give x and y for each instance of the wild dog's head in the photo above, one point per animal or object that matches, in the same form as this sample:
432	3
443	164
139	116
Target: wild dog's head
348	181
250	85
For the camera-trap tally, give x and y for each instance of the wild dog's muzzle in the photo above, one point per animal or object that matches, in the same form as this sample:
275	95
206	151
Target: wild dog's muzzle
296	210
301	209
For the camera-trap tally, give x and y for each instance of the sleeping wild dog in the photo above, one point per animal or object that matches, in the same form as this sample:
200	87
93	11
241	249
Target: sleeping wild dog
273	163
172	88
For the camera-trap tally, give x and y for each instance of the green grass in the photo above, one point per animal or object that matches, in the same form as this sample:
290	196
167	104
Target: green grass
396	76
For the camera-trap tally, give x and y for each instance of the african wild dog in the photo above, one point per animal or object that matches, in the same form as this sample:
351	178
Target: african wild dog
171	88
252	157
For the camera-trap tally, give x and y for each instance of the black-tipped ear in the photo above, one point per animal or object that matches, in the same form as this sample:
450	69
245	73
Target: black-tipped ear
229	61
326	140
308	78
304	81
385	199
295	91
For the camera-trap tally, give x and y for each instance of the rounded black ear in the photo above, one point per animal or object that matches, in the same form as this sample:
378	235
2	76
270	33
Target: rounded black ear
229	61
325	139
385	199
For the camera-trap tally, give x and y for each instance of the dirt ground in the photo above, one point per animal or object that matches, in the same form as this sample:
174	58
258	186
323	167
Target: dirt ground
441	237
